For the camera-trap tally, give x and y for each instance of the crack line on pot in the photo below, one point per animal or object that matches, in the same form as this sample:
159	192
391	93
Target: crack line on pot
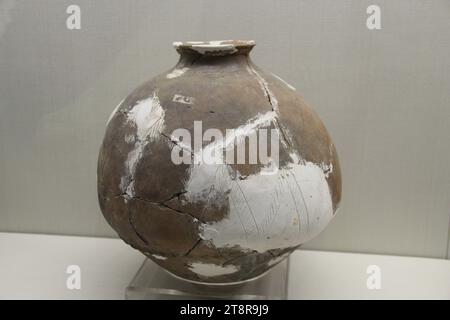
296	210
193	247
168	207
175	195
245	254
249	207
272	101
265	87
178	144
240	220
304	202
162	204
271	253
283	133
130	219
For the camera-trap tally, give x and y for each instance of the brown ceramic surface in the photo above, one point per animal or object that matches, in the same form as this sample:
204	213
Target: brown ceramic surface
216	223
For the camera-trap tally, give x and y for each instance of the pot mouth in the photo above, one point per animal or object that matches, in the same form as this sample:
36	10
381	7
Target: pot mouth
216	47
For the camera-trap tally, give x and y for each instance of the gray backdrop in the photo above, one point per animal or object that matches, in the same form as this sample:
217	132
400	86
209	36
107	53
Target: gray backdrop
383	94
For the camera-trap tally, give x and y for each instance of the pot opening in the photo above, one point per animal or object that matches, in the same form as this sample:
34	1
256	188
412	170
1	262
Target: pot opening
215	48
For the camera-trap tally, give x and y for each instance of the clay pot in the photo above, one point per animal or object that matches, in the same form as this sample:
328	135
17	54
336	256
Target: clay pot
216	222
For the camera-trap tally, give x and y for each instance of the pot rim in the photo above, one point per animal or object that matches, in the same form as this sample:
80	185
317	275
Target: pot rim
215	47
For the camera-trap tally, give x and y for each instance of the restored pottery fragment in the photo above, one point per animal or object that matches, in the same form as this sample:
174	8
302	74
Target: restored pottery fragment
226	222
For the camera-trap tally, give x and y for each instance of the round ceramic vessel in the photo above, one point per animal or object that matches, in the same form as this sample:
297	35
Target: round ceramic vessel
217	170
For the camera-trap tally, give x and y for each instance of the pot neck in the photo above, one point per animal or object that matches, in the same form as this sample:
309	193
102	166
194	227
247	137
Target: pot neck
210	52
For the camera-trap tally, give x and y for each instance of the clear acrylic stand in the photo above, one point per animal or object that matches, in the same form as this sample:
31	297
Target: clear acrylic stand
152	282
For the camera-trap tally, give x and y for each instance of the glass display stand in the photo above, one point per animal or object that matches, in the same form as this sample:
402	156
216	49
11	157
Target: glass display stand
152	282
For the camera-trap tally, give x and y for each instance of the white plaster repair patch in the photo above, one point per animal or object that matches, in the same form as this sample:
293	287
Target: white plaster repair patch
114	111
273	211
326	168
280	210
287	84
212	270
159	257
176	73
183	99
129	138
207	180
147	116
264	87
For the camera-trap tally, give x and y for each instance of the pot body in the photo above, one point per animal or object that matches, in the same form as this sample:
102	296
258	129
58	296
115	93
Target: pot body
216	221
